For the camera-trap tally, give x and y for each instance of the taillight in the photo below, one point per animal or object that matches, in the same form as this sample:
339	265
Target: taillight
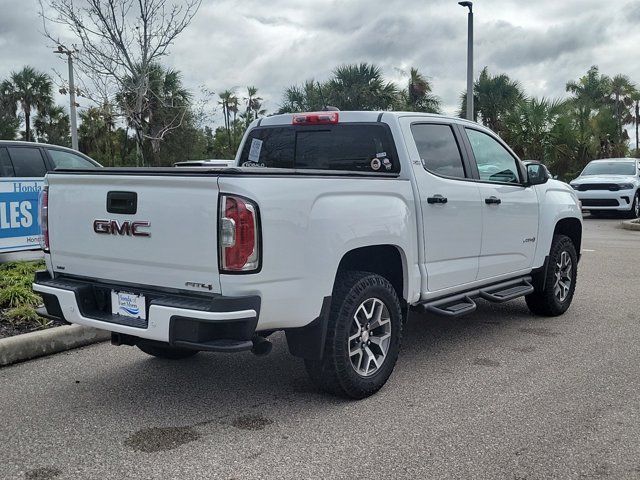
43	215
238	236
315	118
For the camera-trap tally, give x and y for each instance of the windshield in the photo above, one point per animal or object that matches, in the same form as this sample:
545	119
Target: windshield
610	168
354	147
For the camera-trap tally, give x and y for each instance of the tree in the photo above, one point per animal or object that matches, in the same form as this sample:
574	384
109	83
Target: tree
360	87
52	126
253	106
9	121
494	96
635	98
621	89
529	127
227	100
27	90
98	138
419	97
305	98
120	41
589	106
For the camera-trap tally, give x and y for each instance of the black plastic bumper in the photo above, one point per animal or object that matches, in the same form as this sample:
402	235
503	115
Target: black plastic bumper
94	302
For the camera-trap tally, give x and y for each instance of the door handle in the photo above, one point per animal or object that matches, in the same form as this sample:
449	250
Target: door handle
492	201
437	199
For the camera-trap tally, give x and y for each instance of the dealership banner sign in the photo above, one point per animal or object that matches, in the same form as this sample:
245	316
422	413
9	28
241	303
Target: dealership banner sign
19	223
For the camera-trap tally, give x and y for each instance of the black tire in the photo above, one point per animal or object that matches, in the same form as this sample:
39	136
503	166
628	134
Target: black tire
335	373
164	350
635	206
546	301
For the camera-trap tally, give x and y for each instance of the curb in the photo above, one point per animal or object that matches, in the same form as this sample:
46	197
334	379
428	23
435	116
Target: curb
45	342
631	225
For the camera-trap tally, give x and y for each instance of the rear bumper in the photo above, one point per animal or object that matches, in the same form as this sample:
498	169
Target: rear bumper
621	200
171	317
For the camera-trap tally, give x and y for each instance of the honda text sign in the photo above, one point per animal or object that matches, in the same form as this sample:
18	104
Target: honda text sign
19	227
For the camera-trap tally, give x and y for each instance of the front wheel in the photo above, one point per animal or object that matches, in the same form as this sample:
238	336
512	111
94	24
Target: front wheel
559	285
363	337
164	350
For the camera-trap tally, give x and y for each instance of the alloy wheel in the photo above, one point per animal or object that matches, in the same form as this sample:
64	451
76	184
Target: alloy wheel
369	337
563	279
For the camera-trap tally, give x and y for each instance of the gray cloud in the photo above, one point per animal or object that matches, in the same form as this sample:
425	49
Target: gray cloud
234	43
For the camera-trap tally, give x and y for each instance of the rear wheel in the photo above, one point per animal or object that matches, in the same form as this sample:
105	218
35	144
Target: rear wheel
559	285
164	350
363	337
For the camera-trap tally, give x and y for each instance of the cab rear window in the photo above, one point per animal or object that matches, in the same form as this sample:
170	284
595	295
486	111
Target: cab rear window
351	147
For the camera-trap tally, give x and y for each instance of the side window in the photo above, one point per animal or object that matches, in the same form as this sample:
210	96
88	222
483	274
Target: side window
6	168
438	149
495	163
27	162
64	159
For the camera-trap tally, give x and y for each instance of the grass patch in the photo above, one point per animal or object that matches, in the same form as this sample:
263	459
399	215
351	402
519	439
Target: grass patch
18	302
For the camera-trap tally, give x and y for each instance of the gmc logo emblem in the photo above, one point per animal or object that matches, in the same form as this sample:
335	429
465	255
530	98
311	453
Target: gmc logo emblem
113	227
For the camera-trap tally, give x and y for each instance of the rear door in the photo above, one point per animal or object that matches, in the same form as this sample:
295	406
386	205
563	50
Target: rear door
450	203
177	216
509	209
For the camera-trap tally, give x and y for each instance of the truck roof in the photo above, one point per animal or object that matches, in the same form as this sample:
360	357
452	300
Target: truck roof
360	116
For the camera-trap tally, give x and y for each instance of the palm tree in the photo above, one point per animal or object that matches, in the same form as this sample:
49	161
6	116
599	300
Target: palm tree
360	87
305	98
494	96
253	106
28	90
590	102
419	97
529	127
635	98
621	88
227	100
52	126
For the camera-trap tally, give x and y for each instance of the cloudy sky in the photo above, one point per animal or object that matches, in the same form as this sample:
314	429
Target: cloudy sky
275	43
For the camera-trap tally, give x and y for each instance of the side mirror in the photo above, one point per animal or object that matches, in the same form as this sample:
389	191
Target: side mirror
537	174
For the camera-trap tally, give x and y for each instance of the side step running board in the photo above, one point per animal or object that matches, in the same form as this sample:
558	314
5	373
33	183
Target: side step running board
506	294
463	303
453	309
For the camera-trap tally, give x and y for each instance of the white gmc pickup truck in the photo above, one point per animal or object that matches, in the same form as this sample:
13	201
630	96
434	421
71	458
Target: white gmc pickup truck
330	228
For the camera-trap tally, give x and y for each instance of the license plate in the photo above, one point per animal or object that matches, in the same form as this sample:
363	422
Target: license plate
128	305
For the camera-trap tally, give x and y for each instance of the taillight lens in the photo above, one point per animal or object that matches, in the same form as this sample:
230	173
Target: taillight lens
238	236
43	215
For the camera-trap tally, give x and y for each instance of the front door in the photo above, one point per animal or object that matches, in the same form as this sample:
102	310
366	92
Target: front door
509	209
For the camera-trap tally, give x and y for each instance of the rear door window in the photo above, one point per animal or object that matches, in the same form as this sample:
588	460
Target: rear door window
351	147
6	168
438	149
27	162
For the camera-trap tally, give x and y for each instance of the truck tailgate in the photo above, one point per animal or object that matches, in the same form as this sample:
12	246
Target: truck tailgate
179	252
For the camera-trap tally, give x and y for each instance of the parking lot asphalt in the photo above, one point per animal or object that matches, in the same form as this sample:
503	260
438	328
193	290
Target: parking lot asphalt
498	394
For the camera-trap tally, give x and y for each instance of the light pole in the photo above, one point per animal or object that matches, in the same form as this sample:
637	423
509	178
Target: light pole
72	94
469	59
